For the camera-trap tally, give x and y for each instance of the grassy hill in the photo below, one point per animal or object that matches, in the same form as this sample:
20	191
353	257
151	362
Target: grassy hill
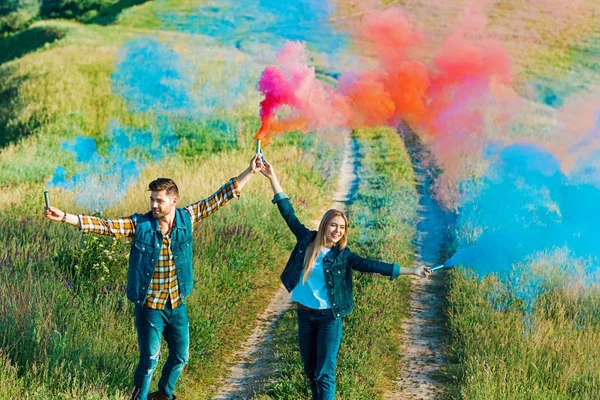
66	330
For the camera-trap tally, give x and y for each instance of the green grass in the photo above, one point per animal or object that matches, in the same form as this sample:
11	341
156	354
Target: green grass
382	224
55	91
29	40
501	347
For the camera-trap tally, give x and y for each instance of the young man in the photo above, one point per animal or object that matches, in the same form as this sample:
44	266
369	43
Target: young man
160	272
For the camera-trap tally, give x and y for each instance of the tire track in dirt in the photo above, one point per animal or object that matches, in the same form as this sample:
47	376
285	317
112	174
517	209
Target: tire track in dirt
422	331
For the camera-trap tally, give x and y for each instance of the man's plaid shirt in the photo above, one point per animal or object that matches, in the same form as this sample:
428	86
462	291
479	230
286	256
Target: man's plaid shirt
163	286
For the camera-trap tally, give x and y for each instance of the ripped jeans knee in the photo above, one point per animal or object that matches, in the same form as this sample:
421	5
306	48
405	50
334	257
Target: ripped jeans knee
143	374
147	363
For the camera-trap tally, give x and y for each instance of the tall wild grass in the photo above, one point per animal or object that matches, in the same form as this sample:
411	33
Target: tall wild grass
537	339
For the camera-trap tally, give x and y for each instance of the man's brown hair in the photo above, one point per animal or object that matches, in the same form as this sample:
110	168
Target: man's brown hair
166	184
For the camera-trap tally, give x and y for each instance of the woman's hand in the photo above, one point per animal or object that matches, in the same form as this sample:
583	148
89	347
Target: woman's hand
421	271
268	171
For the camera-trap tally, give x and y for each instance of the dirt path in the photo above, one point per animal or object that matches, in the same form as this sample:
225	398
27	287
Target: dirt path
422	349
252	369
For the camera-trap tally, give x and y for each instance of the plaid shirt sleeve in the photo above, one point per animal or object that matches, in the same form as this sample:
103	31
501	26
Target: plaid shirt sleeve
122	227
204	208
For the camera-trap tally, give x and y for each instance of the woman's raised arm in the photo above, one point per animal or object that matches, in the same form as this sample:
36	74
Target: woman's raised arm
283	203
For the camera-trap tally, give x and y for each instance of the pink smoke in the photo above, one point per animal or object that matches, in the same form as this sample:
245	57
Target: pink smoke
312	104
577	135
447	98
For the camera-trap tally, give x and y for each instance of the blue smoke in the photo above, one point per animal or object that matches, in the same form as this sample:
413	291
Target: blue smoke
152	76
304	20
268	22
525	206
103	179
548	93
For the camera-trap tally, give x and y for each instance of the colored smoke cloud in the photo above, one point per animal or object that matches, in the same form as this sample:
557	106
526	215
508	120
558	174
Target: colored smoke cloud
103	180
524	205
529	223
517	194
451	99
293	88
151	76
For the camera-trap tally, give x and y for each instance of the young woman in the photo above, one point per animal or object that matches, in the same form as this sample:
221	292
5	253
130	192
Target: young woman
319	276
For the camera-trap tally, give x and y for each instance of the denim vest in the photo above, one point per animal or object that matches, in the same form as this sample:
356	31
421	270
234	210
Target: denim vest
337	264
145	250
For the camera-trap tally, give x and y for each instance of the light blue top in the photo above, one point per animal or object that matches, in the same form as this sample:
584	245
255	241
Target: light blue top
313	293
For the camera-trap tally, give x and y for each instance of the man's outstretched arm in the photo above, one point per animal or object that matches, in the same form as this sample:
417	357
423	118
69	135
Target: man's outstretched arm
58	215
122	227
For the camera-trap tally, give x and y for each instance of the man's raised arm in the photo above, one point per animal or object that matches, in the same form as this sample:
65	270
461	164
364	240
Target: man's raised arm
228	191
254	167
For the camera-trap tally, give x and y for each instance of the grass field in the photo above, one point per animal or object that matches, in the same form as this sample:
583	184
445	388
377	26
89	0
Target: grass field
499	348
66	329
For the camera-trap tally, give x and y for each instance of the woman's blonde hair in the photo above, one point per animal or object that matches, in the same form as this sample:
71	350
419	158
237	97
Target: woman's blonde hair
320	240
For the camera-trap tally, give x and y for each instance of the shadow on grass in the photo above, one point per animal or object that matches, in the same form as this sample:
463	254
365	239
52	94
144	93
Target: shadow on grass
109	15
11	132
27	41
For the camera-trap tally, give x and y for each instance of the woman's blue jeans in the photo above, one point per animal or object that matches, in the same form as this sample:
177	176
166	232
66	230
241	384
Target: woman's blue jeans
319	338
151	324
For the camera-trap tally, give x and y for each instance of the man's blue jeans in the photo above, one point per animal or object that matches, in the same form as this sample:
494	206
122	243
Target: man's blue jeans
319	337
150	325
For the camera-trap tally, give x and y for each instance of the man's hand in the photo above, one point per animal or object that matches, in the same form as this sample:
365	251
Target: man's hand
54	213
256	164
421	271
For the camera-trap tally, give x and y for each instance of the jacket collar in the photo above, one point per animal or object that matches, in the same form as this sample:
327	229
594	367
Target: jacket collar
332	254
178	222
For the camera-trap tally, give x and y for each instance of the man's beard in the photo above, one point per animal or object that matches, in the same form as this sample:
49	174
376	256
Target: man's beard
159	214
